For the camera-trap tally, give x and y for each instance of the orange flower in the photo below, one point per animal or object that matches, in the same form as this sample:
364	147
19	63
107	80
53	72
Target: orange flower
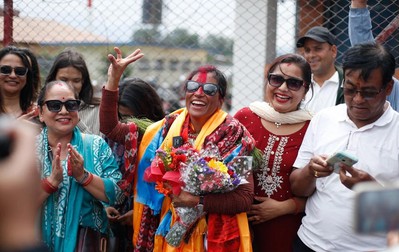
163	188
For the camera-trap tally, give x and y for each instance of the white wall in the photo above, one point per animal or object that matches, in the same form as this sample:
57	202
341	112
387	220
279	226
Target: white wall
250	46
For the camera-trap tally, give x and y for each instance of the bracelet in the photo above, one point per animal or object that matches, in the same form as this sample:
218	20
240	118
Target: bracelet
85	175
48	187
88	180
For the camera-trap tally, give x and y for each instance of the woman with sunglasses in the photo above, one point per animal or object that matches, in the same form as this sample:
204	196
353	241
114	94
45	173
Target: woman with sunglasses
70	66
18	85
79	172
201	122
278	125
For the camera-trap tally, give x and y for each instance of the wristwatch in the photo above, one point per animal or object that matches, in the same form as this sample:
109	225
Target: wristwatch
201	200
200	204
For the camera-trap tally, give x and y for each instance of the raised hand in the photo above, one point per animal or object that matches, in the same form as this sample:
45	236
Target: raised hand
358	3
118	66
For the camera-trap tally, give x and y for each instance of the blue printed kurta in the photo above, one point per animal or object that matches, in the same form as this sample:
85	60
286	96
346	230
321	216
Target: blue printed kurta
72	206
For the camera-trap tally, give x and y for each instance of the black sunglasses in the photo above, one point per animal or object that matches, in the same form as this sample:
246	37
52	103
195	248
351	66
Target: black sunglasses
277	80
366	94
19	71
208	88
56	105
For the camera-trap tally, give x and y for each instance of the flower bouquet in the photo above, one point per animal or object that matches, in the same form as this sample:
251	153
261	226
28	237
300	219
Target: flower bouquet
204	173
165	169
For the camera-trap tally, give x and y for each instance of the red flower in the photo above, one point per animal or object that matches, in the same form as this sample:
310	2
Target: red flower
165	169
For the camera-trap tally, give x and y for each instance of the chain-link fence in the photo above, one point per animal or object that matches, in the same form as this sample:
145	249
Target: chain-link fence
177	36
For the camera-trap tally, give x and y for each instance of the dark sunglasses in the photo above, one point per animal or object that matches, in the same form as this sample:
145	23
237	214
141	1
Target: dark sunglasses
56	105
208	88
19	71
277	80
366	94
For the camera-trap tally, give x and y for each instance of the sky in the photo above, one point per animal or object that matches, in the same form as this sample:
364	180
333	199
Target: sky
118	19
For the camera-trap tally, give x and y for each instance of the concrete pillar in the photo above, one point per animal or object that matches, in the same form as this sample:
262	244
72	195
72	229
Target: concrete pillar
254	42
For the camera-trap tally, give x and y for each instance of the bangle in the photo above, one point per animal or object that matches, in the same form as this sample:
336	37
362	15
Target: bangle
48	187
85	175
88	180
296	206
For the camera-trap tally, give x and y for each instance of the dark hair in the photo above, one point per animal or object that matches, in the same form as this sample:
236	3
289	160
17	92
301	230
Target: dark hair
299	61
29	91
48	86
1	104
219	76
141	98
367	57
71	58
35	70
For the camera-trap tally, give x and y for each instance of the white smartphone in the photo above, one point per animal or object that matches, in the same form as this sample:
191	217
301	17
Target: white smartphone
376	208
341	157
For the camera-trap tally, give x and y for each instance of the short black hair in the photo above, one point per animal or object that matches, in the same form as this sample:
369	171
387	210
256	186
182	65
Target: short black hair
367	57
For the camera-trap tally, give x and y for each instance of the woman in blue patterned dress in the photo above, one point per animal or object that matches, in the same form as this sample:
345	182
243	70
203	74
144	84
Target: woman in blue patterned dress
79	172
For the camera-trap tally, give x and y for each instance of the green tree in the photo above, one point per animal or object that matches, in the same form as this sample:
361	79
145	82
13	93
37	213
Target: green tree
181	37
218	45
147	36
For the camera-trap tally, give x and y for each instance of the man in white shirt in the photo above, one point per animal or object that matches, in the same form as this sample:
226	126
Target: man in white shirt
320	51
366	126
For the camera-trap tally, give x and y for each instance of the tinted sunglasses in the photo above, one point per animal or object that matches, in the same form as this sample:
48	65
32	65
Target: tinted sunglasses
277	80
56	105
366	94
208	88
19	71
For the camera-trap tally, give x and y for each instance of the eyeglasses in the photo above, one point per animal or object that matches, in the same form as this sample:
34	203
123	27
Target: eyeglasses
366	94
19	71
277	80
56	105
208	88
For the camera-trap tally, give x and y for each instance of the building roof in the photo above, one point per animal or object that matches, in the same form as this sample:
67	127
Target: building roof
36	30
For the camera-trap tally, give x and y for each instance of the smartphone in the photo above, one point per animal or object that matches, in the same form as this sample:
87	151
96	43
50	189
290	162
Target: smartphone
376	208
341	157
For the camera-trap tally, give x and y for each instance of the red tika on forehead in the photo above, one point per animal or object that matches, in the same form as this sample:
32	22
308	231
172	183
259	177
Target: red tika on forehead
202	76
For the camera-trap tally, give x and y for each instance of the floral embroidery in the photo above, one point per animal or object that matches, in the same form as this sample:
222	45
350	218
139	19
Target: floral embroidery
269	178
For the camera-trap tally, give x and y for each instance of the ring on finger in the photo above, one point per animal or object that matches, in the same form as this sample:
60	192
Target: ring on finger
315	174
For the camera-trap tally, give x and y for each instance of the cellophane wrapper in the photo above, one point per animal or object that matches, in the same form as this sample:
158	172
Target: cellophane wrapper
205	173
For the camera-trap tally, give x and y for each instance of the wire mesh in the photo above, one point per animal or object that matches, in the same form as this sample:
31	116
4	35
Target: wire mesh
177	36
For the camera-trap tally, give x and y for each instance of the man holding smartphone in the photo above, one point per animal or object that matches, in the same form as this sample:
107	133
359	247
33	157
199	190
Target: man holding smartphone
365	126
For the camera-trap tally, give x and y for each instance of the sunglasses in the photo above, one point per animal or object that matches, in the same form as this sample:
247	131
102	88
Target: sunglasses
19	71
366	94
276	80
56	105
208	88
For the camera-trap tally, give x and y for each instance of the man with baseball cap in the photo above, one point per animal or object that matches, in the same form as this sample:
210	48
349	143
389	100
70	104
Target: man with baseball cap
320	51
